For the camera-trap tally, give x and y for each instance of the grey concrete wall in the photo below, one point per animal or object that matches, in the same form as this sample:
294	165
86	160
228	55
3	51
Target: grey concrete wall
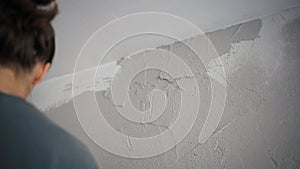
259	128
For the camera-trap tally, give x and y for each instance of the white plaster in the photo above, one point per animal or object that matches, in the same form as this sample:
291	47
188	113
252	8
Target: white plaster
59	90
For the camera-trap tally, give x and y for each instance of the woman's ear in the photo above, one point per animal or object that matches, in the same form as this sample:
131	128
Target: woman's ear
41	72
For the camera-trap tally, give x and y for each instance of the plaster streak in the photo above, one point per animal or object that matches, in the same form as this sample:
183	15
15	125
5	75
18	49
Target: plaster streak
59	90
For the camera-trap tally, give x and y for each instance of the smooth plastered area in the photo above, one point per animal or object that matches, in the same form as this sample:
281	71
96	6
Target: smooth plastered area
259	127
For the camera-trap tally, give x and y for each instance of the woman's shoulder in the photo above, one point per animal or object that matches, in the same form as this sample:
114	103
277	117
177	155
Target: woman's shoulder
25	128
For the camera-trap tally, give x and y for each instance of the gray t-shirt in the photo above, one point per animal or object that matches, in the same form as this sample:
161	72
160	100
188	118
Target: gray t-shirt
29	140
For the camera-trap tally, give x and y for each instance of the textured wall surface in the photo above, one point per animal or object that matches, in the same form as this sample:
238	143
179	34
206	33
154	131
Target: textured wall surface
259	128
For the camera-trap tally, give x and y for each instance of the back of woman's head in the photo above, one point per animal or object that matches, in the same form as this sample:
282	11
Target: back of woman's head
26	34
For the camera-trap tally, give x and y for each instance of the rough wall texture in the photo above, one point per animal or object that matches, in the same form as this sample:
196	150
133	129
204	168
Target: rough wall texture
260	125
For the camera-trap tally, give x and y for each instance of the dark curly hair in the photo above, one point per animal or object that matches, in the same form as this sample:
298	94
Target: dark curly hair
26	34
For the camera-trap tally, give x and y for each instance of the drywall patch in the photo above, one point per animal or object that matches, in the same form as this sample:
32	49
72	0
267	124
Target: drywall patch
223	39
247	31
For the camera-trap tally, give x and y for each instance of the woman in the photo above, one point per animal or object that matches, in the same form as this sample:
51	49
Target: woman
27	138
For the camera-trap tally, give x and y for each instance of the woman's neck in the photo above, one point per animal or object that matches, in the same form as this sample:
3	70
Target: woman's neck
12	84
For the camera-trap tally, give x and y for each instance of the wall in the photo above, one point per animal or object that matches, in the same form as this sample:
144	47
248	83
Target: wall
259	127
78	20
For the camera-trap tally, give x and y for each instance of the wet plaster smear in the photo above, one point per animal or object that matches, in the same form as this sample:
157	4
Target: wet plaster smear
259	128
